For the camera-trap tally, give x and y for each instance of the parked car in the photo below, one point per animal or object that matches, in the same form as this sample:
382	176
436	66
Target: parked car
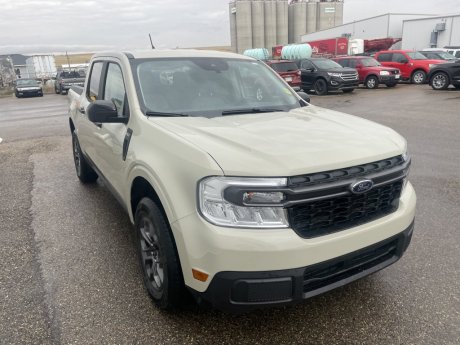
324	75
371	72
438	55
27	87
454	50
288	70
413	65
66	79
441	76
240	193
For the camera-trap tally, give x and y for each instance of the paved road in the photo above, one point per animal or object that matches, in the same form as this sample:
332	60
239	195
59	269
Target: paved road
68	269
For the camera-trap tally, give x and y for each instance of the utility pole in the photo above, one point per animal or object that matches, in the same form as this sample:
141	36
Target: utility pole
68	60
151	43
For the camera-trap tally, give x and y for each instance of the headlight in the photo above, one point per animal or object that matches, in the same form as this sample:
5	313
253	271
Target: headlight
384	73
406	157
332	74
254	209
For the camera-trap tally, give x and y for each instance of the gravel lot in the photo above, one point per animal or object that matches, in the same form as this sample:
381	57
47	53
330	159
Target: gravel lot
69	273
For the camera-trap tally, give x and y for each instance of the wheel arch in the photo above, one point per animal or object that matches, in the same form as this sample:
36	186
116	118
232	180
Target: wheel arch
71	125
140	188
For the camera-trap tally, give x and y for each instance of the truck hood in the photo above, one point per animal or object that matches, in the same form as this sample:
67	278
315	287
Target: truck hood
305	140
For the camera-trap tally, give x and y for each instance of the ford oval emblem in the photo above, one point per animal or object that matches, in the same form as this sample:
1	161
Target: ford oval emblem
362	186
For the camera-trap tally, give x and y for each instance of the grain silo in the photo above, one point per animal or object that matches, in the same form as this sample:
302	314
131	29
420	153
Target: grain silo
311	16
258	24
300	20
270	24
282	22
327	15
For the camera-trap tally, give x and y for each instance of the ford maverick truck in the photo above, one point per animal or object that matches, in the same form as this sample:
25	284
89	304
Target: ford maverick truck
241	193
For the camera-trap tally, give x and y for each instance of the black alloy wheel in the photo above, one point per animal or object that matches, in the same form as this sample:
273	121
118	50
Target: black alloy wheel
158	257
320	87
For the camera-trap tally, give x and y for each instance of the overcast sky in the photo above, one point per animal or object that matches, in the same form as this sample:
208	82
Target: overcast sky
29	26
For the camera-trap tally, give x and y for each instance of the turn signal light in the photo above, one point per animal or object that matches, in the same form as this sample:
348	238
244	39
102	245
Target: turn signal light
198	275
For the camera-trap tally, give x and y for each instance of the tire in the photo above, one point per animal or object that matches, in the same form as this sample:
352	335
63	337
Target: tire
418	77
391	85
85	173
160	265
348	90
372	82
440	81
17	95
57	91
320	87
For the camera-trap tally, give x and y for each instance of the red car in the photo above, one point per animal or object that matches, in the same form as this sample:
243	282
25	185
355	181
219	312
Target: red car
288	70
371	72
413	65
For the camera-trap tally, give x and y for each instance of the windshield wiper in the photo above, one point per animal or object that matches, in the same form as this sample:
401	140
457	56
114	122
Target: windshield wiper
250	111
164	114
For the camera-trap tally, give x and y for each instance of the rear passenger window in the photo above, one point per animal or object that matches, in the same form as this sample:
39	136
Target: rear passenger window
352	63
384	57
95	81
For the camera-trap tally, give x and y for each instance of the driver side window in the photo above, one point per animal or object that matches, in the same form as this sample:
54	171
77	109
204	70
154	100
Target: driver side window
114	89
306	65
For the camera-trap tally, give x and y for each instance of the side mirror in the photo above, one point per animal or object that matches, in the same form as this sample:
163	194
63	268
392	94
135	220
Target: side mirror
304	96
104	112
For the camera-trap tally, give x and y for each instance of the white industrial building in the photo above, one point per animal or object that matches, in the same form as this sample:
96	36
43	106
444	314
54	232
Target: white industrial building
383	26
433	32
269	23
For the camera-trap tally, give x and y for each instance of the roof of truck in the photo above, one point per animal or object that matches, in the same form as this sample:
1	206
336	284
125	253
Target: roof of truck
172	53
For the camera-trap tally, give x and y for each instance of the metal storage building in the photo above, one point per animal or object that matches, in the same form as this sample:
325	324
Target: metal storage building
433	32
385	25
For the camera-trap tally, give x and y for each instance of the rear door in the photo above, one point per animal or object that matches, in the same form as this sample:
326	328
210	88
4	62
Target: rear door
86	128
385	59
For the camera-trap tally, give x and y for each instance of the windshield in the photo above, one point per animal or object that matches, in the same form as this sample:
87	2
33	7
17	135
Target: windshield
416	56
370	62
209	86
26	82
445	56
285	67
326	64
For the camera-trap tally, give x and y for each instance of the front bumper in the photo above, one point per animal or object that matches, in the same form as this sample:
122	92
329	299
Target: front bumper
244	291
214	250
336	83
389	79
29	93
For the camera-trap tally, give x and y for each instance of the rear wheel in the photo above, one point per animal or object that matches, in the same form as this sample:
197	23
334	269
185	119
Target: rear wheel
160	264
85	173
372	82
320	87
440	81
418	77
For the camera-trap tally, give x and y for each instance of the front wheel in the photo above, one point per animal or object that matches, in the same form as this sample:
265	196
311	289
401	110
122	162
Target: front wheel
440	81
320	87
418	77
372	82
160	264
85	173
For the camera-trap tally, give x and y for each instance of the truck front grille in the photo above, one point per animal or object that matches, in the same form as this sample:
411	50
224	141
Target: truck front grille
322	203
335	214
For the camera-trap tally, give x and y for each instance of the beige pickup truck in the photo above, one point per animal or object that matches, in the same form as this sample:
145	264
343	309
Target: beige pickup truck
242	194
